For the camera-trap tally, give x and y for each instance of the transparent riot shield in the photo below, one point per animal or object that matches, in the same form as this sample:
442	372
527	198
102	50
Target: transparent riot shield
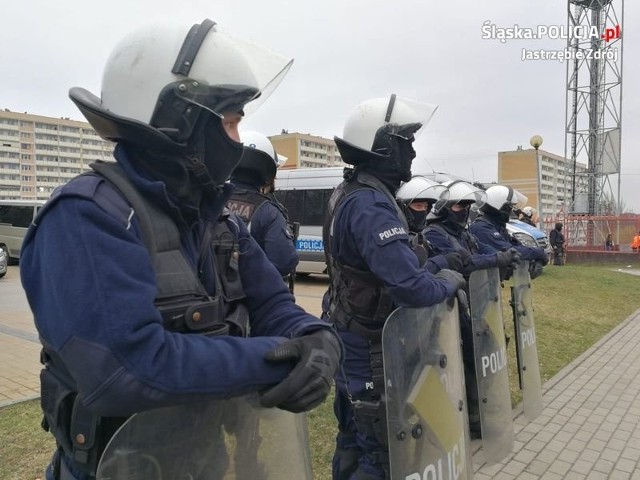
219	440
425	395
490	353
527	348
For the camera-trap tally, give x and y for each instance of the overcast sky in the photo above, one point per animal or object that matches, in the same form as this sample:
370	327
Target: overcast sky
345	51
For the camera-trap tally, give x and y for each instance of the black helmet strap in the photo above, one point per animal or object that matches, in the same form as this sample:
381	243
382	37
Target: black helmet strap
191	46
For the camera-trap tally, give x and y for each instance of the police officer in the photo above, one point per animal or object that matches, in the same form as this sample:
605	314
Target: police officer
372	269
252	201
416	199
157	259
527	215
556	239
447	232
490	228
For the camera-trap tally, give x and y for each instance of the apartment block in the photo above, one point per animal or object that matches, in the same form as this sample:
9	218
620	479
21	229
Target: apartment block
39	153
545	178
306	151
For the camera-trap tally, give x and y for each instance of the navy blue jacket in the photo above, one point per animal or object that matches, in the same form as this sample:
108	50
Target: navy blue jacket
493	233
368	235
443	240
91	287
269	228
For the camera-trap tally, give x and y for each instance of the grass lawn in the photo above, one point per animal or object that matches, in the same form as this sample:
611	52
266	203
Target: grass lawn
574	307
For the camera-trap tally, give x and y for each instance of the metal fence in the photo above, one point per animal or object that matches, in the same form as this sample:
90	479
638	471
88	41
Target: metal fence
585	232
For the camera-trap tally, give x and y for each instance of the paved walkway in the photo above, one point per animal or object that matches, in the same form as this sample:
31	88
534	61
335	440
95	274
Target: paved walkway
589	427
19	345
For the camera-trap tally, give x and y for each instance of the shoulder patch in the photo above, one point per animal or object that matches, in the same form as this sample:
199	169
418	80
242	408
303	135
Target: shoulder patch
389	233
497	234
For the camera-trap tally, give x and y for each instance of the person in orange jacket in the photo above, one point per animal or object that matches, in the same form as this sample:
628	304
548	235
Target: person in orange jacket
635	243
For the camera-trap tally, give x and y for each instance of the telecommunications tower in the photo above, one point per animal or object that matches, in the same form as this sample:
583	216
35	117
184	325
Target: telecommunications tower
594	107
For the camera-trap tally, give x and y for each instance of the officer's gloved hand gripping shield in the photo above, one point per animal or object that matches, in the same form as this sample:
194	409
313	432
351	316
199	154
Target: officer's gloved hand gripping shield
425	395
233	439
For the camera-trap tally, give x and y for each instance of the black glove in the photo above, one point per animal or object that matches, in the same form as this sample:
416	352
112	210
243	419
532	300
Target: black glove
466	257
454	261
454	278
504	259
316	358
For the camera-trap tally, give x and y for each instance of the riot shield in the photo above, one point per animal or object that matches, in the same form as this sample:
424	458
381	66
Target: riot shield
425	395
526	346
232	439
490	353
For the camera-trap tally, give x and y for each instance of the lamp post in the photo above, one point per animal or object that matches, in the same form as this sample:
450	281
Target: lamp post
535	142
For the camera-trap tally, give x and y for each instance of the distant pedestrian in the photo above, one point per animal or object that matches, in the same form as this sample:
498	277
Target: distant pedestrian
608	243
556	238
635	244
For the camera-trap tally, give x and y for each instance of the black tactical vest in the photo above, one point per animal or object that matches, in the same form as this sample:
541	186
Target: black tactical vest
182	299
245	203
358	300
184	303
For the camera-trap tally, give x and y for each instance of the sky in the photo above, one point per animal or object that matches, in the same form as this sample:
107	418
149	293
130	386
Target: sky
345	51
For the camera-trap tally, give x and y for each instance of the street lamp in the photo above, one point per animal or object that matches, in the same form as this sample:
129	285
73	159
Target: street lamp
535	142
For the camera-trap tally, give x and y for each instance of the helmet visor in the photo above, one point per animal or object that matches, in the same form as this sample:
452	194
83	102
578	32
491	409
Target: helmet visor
407	118
462	193
268	67
518	200
432	194
478	197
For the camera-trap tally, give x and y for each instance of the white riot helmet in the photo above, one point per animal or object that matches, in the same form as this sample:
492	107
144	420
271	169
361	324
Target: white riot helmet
259	158
162	84
504	200
411	197
379	132
420	188
460	193
528	212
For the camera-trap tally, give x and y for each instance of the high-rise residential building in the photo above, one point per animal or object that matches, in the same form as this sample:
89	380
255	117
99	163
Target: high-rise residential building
545	178
306	151
39	153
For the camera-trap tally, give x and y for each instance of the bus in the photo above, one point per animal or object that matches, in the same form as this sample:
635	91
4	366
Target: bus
15	218
305	193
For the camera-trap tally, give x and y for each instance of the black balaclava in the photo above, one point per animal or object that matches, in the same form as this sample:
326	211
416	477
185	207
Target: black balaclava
201	167
503	215
456	221
558	226
396	143
417	220
390	157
